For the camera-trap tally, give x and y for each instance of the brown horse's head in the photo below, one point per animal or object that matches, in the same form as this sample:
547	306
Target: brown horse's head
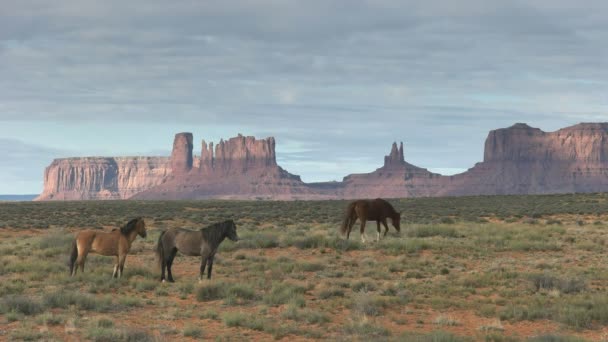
141	227
231	230
396	218
137	224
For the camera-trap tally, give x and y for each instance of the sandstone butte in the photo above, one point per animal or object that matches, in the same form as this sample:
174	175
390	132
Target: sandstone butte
517	160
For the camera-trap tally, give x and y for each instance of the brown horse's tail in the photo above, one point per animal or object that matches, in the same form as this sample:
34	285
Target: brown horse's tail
349	217
73	256
160	251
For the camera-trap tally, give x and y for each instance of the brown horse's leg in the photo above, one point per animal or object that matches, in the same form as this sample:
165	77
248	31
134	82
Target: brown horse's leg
115	273
352	222
363	239
121	264
379	229
385	227
82	257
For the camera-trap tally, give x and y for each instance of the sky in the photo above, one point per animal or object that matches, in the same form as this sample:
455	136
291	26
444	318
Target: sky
334	81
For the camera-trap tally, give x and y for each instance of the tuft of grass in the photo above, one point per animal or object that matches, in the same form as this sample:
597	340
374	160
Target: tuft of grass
49	318
429	231
209	292
20	304
142	285
555	338
239	319
239	294
564	285
367	304
333	292
192	331
63	299
446	320
281	293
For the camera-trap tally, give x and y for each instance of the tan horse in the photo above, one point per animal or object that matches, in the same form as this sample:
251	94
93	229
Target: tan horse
115	243
370	210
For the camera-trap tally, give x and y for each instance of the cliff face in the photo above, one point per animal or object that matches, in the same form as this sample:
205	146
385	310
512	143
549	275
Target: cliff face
181	155
525	160
102	178
238	168
237	155
521	143
517	160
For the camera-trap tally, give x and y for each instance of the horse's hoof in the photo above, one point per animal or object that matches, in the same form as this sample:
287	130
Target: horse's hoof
162	281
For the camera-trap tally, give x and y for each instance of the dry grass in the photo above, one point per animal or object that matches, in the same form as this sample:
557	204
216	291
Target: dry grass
494	268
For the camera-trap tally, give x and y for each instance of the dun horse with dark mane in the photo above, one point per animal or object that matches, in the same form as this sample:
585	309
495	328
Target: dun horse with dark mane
370	210
115	243
203	243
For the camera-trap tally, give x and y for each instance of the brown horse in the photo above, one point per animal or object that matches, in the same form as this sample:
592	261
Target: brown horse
115	243
370	210
203	243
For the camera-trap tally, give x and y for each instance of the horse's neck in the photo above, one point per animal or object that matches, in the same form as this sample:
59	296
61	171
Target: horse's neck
217	238
131	236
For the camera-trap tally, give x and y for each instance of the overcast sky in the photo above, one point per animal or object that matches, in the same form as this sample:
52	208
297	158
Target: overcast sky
336	82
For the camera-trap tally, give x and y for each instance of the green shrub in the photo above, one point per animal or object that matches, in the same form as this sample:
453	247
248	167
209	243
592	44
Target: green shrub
63	299
209	292
281	293
20	304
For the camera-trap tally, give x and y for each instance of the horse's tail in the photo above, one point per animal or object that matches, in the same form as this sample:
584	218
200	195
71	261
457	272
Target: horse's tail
73	256
349	217
160	251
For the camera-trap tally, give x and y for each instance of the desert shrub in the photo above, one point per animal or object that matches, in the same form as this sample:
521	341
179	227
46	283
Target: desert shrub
192	331
142	285
564	285
238	294
20	304
63	299
435	336
364	329
369	305
281	293
554	338
309	267
239	319
209	292
364	286
328	293
429	231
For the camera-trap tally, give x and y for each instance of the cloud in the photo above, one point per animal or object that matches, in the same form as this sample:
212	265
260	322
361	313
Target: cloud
22	166
344	77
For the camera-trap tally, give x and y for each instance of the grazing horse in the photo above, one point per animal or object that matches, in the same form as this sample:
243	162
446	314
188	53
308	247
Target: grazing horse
370	210
203	243
115	243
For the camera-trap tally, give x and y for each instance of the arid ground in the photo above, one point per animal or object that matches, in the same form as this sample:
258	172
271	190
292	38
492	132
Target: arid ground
502	268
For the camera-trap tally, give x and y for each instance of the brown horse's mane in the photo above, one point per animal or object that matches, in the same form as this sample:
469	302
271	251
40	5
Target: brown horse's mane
128	228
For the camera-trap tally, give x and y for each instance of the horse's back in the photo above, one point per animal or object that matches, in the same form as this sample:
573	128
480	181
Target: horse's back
104	243
375	209
187	241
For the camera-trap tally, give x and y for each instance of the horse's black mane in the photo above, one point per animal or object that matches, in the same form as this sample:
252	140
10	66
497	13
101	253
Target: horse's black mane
216	231
219	224
128	228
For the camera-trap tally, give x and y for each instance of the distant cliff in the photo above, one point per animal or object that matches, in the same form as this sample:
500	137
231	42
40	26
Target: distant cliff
238	168
102	178
517	160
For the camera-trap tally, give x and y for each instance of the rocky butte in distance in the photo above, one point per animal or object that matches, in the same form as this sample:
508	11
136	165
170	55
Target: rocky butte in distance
517	160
